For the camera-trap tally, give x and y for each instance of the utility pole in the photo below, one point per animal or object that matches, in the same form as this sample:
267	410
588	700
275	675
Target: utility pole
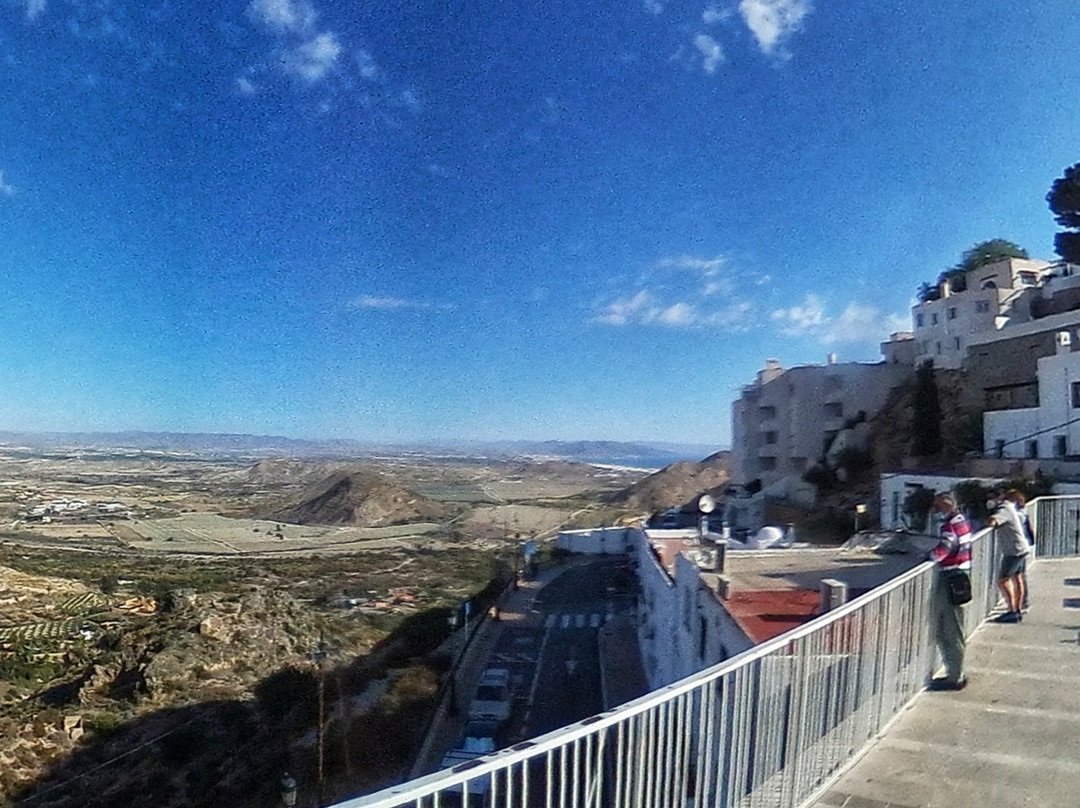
318	657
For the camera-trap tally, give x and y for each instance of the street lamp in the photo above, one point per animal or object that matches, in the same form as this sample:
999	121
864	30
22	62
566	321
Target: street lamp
288	790
860	509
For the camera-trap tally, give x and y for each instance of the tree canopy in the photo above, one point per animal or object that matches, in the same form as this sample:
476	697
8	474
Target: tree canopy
1064	201
985	252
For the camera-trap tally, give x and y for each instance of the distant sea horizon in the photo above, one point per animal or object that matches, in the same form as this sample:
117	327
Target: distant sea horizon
650	463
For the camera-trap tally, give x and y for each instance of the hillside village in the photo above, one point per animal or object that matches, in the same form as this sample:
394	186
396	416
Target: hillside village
982	386
818	452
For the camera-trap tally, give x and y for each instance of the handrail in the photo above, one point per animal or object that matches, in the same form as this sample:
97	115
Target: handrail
768	727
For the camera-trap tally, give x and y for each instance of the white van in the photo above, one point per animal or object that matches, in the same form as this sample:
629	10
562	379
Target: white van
492	700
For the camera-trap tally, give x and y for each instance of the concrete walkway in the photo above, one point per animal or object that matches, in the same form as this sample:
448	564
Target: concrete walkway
1011	738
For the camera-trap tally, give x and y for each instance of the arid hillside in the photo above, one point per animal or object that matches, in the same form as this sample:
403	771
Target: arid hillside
676	484
361	498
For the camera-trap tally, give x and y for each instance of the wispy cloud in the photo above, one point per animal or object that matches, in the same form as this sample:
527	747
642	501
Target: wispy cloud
390	303
772	22
801	319
712	15
682	291
856	323
34	8
859	323
707	266
710	51
646	308
284	16
313	59
6	188
303	52
246	86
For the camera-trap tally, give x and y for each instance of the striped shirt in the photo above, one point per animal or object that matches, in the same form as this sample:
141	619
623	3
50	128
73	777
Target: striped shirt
953	551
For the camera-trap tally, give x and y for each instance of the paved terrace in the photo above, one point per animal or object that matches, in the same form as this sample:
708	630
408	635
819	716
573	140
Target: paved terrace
1011	738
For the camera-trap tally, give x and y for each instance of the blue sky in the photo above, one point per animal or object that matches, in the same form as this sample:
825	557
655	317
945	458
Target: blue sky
400	221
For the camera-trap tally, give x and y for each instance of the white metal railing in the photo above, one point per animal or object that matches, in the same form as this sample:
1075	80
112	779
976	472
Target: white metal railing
769	727
1056	522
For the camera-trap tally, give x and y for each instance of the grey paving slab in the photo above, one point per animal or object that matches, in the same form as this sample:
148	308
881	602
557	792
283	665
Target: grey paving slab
1011	738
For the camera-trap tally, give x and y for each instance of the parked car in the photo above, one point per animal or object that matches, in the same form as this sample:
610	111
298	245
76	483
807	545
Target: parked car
492	699
474	793
480	736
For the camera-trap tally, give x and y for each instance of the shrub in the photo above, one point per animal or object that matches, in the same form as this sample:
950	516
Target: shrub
917	507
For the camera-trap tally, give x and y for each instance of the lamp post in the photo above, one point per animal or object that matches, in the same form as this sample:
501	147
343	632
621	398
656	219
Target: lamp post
860	509
453	621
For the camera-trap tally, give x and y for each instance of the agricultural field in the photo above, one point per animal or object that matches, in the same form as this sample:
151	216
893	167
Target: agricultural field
158	604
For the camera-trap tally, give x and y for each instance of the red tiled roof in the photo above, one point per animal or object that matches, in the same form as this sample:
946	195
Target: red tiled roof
667	550
767	613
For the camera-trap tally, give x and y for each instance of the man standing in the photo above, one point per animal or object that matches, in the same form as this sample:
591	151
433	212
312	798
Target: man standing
953	557
1013	544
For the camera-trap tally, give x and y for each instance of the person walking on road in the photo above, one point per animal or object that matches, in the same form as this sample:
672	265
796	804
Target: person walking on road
952	589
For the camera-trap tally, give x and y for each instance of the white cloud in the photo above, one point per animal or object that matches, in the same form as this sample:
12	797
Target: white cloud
801	319
365	63
313	59
6	188
648	309
388	303
623	312
856	323
34	8
710	50
859	323
707	266
246	86
772	21
654	6
713	15
283	16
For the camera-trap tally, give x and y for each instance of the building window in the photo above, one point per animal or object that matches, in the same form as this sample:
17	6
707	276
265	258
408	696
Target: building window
982	306
1028	278
933	319
952	312
767	463
918	320
938	346
1060	446
1076	395
767	412
1032	448
770	438
956	343
834	409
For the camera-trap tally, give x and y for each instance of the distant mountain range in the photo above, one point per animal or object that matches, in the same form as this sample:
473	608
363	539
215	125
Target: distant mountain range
201	443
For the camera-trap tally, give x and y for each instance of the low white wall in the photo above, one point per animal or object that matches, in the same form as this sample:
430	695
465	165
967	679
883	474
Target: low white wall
598	541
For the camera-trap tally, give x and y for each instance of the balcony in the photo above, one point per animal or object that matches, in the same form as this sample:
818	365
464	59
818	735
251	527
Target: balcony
778	724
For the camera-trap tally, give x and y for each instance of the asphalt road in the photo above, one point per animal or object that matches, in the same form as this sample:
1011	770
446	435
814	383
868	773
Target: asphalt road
554	656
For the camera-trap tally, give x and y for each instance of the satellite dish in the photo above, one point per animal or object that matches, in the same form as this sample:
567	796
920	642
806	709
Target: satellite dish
706	504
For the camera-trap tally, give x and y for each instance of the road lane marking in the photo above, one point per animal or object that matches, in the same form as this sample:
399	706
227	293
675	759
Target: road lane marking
565	622
550	621
579	621
594	621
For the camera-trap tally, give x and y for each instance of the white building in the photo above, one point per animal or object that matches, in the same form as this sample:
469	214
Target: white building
1051	429
989	298
787	419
